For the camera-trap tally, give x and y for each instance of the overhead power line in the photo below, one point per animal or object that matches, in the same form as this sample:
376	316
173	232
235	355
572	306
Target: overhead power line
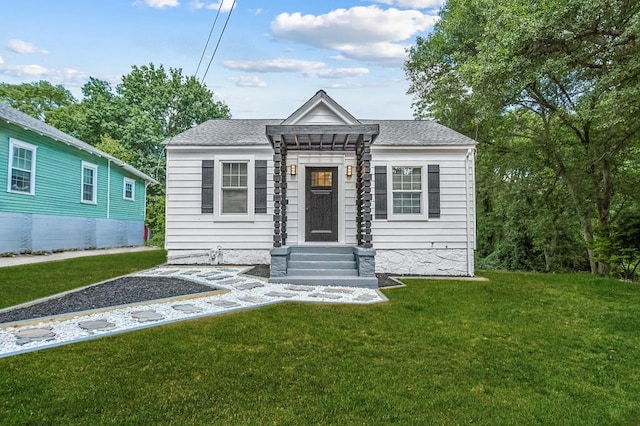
208	38
233	6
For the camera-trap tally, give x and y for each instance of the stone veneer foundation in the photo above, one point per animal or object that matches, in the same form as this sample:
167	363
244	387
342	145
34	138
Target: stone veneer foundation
437	262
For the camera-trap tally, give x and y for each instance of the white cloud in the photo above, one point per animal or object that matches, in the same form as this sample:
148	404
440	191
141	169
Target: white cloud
306	68
1	61
161	4
273	65
414	4
337	73
369	34
65	76
21	46
249	81
224	5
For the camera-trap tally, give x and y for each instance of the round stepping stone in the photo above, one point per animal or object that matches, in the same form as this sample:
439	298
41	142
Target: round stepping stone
248	286
34	335
300	288
224	303
216	277
96	325
326	296
253	299
146	316
339	290
366	297
187	308
280	294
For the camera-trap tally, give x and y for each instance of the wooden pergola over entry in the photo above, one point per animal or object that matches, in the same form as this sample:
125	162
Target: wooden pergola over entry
320	137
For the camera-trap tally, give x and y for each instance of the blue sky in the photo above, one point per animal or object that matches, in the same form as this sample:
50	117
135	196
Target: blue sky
273	56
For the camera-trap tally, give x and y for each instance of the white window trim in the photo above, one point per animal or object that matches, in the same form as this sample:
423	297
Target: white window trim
423	193
217	188
94	167
32	184
132	182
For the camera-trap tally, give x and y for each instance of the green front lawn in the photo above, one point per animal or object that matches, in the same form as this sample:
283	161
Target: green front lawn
20	284
519	349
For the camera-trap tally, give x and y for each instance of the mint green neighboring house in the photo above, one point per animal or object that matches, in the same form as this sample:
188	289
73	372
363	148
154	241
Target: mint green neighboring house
59	193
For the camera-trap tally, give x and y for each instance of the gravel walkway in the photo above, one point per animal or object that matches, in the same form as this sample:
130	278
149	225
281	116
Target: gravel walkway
240	292
116	292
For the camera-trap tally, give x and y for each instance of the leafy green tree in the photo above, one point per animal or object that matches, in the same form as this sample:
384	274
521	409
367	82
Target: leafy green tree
113	147
130	122
36	99
568	67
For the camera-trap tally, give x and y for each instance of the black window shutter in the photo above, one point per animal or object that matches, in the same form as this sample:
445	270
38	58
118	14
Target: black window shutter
261	186
434	190
381	192
207	186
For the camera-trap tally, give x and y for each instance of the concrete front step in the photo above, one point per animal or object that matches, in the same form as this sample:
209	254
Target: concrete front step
315	264
329	257
322	249
328	281
322	272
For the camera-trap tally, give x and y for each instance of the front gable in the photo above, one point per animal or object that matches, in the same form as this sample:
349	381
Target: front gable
321	109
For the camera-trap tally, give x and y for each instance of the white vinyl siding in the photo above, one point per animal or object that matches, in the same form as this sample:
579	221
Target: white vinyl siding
129	189
22	167
89	183
447	232
187	228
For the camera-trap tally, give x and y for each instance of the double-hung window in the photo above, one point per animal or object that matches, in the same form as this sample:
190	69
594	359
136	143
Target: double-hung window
22	167
89	183
129	189
235	192
406	186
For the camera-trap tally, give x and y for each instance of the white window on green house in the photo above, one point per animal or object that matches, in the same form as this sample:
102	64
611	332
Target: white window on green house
234	188
129	189
89	183
22	167
407	190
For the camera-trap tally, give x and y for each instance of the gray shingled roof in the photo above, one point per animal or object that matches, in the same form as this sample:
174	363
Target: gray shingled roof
416	133
245	132
20	119
225	132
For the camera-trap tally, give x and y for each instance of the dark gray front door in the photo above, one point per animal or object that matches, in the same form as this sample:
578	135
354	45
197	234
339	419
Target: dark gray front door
321	212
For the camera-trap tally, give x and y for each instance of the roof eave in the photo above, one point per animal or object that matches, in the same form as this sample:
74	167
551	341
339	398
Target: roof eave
88	149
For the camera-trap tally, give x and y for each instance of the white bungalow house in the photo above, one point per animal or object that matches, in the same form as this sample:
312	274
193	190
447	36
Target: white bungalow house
323	197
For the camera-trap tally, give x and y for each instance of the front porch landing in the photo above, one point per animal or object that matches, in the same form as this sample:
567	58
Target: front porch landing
349	266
